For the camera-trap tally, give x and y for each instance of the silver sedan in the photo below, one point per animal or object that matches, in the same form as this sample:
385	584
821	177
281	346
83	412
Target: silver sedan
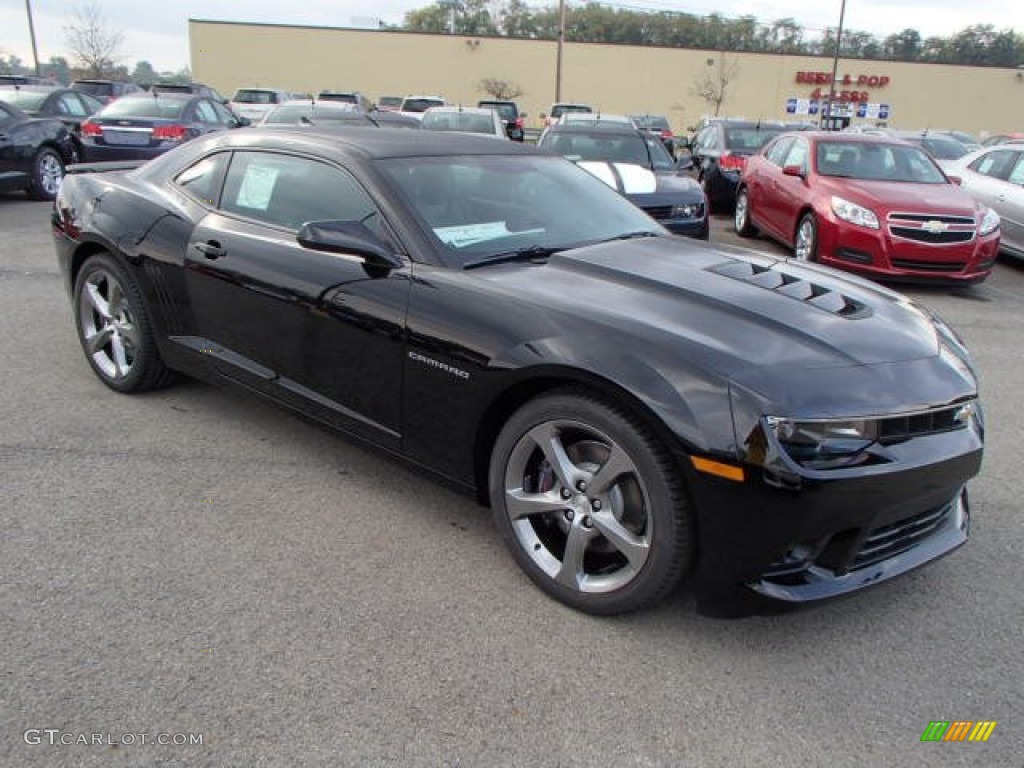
995	177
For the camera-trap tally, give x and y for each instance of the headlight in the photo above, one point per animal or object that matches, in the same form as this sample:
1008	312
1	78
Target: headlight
825	444
692	211
853	213
989	223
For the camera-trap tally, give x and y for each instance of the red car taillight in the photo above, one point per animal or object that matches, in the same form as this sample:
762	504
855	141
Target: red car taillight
170	132
731	162
89	128
666	134
519	122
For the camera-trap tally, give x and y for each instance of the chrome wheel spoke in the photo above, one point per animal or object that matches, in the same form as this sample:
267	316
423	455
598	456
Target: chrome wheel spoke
617	464
634	547
548	439
131	334
94	342
571	571
520	503
119	357
96	300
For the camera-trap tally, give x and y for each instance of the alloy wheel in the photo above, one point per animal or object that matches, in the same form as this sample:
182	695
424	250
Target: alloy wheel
109	332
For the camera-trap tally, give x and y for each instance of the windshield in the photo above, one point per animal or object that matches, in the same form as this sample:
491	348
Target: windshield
390	101
943	149
471	122
291	115
420	105
877	162
603	147
751	138
254	96
29	101
651	121
482	205
147	106
560	109
94	88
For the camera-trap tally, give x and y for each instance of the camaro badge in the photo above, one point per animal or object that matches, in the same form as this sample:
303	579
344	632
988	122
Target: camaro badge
457	372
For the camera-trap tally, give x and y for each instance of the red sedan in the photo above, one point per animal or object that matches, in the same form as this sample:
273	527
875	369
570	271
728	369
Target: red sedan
868	204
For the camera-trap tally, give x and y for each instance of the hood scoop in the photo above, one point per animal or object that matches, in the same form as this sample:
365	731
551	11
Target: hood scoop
797	288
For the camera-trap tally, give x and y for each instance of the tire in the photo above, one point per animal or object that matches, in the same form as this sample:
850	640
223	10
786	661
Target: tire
741	216
47	174
617	546
805	243
114	328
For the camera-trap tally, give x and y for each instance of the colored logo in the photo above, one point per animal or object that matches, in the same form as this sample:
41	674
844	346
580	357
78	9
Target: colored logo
958	730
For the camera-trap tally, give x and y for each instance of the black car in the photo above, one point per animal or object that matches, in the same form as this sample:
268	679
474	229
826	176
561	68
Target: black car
510	115
637	165
105	91
720	151
65	104
194	88
657	125
635	407
144	125
33	152
325	114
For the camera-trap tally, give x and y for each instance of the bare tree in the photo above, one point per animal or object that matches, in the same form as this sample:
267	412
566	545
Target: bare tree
712	86
500	89
95	45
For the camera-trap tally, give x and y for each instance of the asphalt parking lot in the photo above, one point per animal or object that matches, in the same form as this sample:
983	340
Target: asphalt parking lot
195	562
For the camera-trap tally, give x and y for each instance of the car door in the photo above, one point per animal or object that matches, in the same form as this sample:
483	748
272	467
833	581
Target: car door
321	331
991	180
12	168
1009	204
762	179
790	193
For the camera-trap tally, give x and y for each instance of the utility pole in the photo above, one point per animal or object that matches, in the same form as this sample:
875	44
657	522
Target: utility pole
835	66
32	34
558	60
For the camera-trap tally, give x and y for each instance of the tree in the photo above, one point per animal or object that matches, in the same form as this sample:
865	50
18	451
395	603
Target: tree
144	73
93	43
713	85
505	90
57	68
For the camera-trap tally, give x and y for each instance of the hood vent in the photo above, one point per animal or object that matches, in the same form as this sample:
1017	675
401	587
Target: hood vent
798	288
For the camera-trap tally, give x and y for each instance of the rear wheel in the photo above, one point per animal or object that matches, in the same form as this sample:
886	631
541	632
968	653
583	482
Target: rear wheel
114	328
590	504
741	218
805	246
47	174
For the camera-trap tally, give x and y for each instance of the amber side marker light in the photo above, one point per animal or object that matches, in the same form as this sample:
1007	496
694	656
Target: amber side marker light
728	471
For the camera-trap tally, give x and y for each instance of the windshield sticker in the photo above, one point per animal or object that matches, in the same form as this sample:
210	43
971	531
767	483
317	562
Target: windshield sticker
470	234
257	187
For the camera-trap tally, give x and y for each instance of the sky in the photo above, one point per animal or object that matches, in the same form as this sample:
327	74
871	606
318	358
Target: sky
158	31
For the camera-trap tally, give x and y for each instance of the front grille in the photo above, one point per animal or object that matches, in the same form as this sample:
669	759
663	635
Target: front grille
659	211
929	266
890	540
932	229
899	428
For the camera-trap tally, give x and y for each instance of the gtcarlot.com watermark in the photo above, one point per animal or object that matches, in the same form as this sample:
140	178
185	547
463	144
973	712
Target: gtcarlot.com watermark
56	737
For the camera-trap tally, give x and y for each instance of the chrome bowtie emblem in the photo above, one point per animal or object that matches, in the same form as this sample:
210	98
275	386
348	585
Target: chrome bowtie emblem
934	227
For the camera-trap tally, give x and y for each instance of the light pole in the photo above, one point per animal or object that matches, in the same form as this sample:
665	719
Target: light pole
835	65
32	34
558	60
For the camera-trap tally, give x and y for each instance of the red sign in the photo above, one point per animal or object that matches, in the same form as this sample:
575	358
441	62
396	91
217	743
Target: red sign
861	81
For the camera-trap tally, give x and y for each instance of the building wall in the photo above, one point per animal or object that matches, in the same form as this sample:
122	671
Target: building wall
619	79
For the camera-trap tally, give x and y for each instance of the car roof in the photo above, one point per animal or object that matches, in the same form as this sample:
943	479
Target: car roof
625	129
469	110
164	95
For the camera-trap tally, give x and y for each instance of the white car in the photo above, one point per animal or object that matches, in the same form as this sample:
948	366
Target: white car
995	176
254	103
415	106
479	120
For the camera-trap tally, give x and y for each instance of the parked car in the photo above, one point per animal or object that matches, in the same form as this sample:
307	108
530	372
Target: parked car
1002	138
254	103
720	151
389	103
994	176
510	115
486	122
562	107
333	113
967	139
869	204
105	91
64	104
26	80
33	152
657	125
196	89
349	97
415	106
635	408
942	148
638	166
142	126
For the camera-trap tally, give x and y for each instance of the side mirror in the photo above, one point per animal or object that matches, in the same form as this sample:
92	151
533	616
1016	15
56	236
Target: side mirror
350	238
793	170
240	122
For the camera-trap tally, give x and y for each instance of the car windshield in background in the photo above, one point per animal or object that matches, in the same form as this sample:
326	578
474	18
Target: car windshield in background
562	109
247	96
30	101
390	101
943	149
291	115
420	105
751	138
507	111
98	89
147	106
651	122
470	122
877	162
482	206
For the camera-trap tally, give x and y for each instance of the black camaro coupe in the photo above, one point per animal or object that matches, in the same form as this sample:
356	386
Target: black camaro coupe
638	409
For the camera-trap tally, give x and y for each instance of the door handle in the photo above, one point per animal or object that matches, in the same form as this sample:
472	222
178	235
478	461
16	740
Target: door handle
211	249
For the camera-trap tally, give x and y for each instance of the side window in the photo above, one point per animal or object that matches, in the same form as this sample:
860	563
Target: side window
1017	174
205	112
202	180
224	115
288	191
6	118
996	164
704	138
797	154
777	152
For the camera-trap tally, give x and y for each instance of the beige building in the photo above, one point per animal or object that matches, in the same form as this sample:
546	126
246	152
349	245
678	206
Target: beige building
613	78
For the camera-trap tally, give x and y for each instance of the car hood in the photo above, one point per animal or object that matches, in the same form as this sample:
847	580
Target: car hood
905	197
643	185
771	326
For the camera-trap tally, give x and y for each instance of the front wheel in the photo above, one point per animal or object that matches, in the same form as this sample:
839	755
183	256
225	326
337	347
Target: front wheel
741	218
590	504
47	174
805	246
114	328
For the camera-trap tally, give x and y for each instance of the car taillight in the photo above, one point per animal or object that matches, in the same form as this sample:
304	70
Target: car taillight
731	162
666	134
519	122
169	132
89	128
